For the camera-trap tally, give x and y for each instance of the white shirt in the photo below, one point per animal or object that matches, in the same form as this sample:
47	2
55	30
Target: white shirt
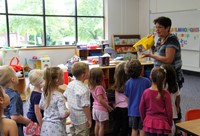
78	96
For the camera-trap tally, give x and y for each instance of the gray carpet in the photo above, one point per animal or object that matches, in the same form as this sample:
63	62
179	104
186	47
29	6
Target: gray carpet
190	93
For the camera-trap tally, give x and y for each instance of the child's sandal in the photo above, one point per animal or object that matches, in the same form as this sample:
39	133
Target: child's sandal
179	134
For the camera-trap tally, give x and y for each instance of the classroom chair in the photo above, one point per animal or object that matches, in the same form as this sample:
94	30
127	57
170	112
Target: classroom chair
192	114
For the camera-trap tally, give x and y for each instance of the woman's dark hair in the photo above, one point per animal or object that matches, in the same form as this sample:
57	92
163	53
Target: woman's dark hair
120	77
171	79
164	21
158	77
133	68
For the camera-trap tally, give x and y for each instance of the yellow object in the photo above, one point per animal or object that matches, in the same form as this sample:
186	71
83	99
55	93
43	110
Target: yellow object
146	42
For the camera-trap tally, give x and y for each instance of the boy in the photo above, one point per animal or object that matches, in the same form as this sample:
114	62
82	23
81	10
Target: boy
78	98
8	80
134	89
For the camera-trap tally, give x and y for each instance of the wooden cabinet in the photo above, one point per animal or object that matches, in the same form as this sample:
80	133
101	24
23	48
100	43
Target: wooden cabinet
21	86
124	43
83	54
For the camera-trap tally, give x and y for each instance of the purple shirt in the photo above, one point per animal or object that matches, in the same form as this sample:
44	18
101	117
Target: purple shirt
121	100
99	90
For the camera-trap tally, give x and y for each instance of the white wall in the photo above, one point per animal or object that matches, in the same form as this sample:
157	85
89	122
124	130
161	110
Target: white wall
158	6
57	55
122	17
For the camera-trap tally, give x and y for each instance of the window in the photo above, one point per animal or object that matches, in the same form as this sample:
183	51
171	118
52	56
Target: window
50	22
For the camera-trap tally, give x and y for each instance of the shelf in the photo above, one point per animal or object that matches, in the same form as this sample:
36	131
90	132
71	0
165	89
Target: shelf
124	43
83	54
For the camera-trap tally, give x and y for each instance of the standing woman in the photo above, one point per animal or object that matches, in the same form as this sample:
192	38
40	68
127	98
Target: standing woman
167	49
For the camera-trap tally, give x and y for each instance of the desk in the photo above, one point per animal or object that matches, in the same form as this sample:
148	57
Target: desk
191	127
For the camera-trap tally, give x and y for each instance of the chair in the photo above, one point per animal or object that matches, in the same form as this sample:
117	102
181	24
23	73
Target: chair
192	114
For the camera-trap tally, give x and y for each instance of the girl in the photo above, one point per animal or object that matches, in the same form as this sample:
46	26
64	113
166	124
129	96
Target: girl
121	127
100	104
53	104
172	87
5	122
155	106
37	81
14	110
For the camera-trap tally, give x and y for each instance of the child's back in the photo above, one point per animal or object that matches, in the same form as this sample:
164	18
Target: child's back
53	104
155	106
134	89
78	99
77	94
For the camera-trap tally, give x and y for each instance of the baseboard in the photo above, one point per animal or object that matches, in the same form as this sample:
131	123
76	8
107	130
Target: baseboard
194	73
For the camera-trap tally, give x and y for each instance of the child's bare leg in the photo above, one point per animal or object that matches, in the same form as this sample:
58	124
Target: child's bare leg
96	129
134	132
142	133
101	128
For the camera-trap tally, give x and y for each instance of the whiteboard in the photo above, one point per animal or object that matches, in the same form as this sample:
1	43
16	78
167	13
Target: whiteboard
185	24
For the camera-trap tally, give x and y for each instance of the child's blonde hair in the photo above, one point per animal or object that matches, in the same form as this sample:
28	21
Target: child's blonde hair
95	78
36	77
79	68
51	76
6	73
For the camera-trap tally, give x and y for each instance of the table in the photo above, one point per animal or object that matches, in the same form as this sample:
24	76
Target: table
191	127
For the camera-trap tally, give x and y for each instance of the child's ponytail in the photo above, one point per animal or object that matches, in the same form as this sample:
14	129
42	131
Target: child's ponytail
158	77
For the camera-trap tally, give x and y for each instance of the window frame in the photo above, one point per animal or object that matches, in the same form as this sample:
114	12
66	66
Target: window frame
43	15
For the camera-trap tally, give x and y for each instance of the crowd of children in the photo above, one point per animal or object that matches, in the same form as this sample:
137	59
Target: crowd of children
142	106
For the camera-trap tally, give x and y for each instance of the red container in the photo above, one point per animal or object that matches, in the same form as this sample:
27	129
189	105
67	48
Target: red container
66	77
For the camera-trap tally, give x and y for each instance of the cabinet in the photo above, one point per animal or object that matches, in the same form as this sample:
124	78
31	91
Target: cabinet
123	44
84	53
21	86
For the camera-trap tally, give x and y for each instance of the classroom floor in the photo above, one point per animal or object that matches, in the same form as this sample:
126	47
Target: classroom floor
190	93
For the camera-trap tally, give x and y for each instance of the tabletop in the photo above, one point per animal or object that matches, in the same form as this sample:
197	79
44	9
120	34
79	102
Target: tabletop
191	127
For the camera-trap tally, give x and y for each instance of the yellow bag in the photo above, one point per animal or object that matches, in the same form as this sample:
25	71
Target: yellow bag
146	42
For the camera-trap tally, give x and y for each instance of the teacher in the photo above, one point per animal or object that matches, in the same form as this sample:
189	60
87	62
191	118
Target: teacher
167	49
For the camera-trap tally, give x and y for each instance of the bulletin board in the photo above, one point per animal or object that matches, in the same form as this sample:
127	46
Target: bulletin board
185	24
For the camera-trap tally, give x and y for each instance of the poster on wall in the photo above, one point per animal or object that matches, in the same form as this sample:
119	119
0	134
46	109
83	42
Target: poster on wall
185	24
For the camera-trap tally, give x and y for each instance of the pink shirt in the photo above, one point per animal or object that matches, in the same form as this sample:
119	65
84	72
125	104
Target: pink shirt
121	100
99	90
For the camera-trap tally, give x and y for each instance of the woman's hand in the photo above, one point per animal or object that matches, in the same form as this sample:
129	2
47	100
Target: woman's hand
145	55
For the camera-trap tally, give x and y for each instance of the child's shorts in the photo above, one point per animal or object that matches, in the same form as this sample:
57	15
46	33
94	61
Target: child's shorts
135	123
100	115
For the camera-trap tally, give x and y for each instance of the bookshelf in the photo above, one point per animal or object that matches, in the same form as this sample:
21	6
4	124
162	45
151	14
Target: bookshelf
84	53
124	43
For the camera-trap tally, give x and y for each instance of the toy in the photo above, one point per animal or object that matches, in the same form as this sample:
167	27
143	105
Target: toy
145	43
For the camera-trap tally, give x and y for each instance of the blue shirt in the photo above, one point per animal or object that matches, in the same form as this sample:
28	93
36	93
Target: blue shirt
134	89
34	100
15	107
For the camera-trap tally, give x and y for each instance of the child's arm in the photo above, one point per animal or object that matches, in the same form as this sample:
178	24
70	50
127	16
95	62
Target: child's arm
87	112
64	112
20	119
13	130
142	108
38	114
168	106
104	103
